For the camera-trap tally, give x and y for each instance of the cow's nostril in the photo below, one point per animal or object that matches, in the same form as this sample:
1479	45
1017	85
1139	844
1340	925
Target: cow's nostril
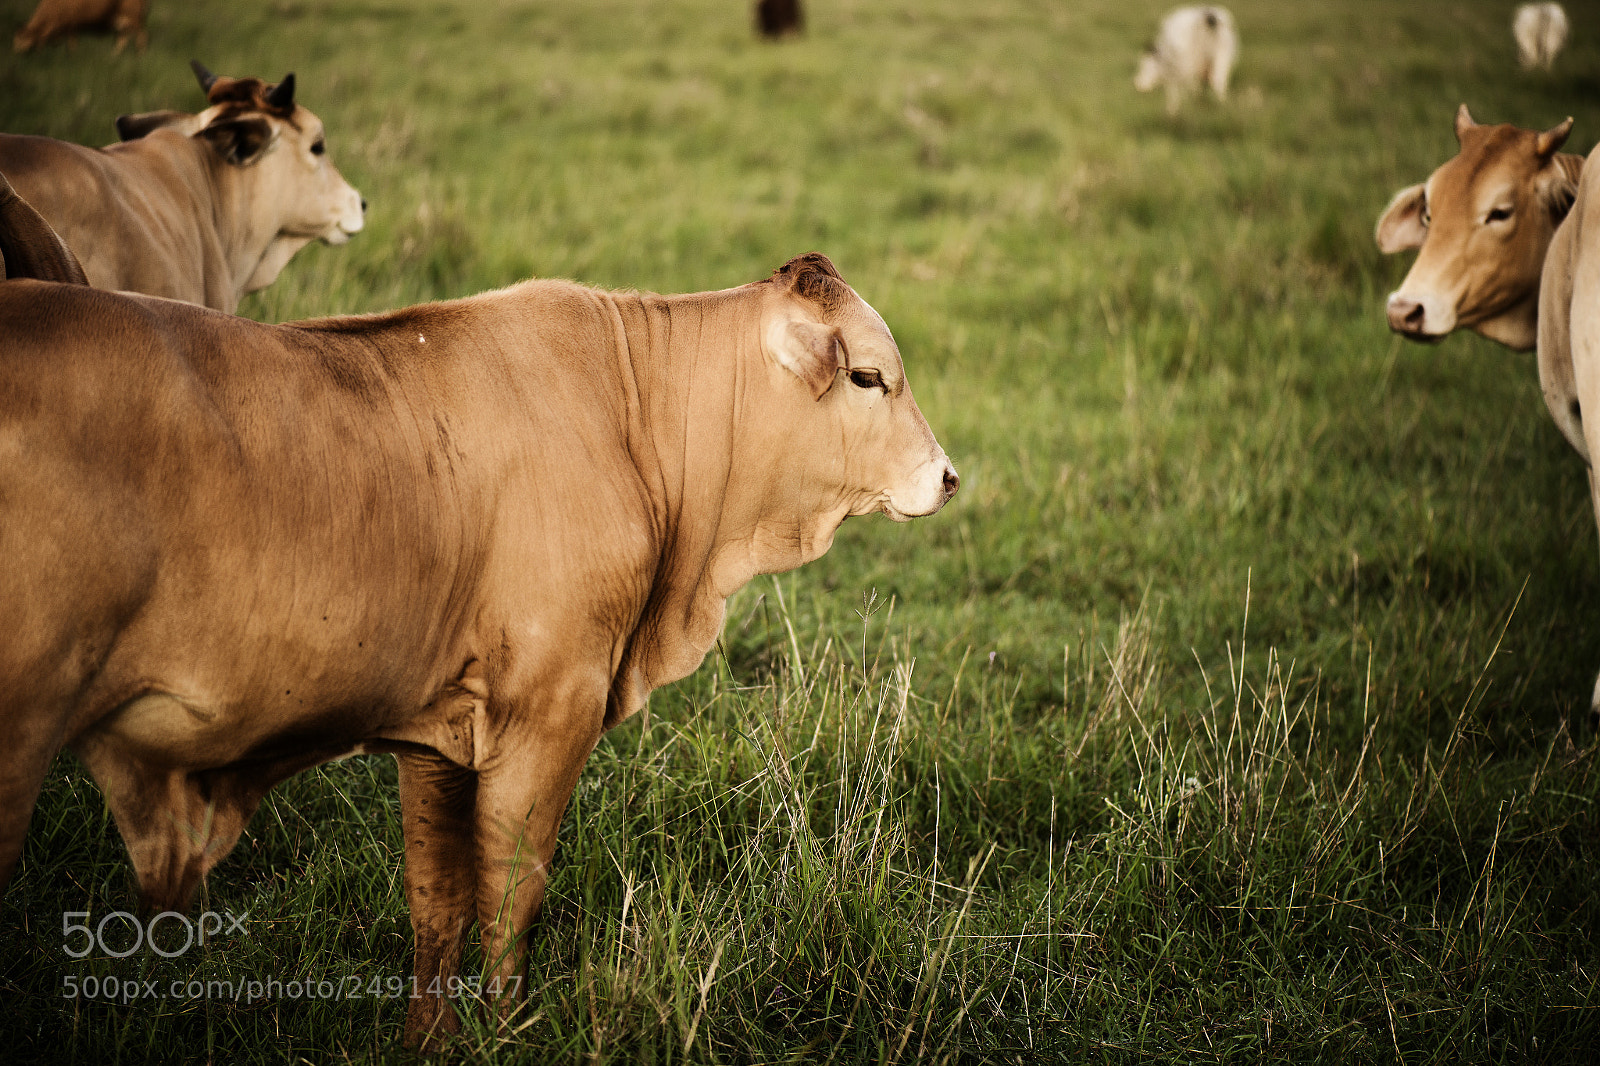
1406	316
952	482
363	205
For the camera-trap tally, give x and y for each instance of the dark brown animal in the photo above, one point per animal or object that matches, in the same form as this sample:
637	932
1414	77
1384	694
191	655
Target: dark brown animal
56	18
474	534
778	18
29	248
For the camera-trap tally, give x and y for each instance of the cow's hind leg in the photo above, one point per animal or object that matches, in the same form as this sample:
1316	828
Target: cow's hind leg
177	825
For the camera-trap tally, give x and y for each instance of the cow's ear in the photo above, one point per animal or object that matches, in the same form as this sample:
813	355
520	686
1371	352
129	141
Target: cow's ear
29	248
1400	226
1558	186
132	127
241	141
808	350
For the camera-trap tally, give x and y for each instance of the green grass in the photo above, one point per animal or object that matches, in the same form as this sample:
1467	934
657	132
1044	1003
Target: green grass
1237	709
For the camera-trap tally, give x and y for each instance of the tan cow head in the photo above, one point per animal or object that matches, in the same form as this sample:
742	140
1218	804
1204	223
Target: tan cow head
279	148
1483	221
848	429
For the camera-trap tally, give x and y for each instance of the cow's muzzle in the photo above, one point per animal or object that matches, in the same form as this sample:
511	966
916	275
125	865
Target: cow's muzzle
1409	318
952	483
949	484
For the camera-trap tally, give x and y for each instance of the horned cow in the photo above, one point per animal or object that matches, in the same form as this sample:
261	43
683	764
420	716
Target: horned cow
1483	222
474	534
1507	231
203	208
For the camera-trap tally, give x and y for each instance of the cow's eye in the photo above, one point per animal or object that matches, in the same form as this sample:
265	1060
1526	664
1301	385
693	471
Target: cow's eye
319	147
1427	216
1499	214
867	379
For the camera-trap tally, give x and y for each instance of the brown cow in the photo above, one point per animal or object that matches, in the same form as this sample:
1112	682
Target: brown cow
203	208
1483	221
475	534
55	18
1504	253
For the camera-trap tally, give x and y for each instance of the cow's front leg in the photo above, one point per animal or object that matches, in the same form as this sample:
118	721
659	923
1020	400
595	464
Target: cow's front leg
437	799
521	798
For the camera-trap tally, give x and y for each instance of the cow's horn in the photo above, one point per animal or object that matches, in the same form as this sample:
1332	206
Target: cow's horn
282	95
1553	138
1464	122
207	79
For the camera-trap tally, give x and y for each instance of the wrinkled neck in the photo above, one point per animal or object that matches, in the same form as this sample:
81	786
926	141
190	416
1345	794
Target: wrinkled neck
702	440
246	238
681	359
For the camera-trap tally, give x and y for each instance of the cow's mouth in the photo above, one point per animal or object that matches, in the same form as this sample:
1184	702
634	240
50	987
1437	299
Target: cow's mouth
895	513
898	515
1421	338
337	234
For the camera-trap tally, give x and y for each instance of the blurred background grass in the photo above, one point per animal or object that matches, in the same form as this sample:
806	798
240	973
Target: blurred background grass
1155	350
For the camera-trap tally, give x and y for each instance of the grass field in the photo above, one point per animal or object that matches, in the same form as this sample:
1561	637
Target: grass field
1236	710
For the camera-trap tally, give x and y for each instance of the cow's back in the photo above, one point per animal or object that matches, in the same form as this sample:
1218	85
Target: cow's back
183	490
134	213
335	502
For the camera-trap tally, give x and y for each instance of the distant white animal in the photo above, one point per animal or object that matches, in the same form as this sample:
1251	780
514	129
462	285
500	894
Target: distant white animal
1195	47
1541	33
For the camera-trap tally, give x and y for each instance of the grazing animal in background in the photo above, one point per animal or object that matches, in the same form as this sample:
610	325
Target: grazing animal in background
778	18
203	208
1195	47
29	248
1483	222
56	18
1541	33
474	534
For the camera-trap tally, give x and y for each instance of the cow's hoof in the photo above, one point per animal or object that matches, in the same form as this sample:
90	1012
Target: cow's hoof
430	1024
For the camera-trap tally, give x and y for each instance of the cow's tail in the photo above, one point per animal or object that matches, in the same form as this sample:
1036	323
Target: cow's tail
29	248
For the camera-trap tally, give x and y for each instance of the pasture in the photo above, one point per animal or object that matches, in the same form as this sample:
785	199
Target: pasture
1238	707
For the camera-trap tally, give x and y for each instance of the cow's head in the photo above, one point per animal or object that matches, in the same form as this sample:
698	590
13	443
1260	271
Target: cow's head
846	428
1484	221
263	136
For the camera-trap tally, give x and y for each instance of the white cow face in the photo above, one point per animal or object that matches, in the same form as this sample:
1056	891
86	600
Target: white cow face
851	433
